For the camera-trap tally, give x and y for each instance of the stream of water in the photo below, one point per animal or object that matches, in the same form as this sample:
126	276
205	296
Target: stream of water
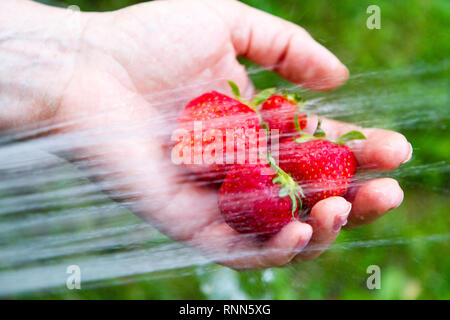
52	216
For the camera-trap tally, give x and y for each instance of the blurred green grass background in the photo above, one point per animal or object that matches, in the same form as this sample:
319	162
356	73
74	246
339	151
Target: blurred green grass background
412	33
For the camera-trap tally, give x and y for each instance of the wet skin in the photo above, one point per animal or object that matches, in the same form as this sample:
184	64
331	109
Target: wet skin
132	70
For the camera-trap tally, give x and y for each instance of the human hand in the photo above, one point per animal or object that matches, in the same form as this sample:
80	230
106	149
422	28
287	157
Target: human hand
133	71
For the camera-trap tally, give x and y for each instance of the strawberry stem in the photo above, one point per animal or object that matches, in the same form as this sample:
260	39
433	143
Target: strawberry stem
319	133
300	106
297	123
351	135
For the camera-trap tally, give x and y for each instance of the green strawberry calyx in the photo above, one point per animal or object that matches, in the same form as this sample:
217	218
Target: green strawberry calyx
259	98
262	96
237	95
265	94
295	97
319	134
288	187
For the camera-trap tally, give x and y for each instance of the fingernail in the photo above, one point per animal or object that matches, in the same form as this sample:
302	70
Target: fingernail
346	72
341	219
398	199
302	244
409	154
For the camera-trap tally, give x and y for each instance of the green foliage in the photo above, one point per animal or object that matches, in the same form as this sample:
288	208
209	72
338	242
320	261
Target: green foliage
411	242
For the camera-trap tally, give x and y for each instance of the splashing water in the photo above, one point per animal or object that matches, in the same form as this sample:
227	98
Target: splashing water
52	216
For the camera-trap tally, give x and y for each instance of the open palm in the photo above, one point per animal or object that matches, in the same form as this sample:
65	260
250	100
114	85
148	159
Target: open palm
137	67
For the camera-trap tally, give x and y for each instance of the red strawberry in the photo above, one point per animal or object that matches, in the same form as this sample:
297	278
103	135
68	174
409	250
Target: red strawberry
281	113
322	168
254	199
217	112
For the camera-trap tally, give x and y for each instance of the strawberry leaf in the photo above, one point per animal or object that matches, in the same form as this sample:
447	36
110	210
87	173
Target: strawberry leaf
300	190
262	96
234	89
283	192
294	204
351	135
296	123
305	137
299	201
296	97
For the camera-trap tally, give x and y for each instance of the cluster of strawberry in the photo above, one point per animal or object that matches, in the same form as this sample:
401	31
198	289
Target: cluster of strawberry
264	196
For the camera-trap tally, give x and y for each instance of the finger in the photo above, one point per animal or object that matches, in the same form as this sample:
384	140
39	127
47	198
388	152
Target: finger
287	243
283	46
246	251
381	150
326	219
372	200
225	246
277	251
